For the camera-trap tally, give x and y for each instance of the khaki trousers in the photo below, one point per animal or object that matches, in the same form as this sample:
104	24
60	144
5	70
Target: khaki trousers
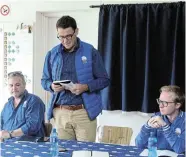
74	125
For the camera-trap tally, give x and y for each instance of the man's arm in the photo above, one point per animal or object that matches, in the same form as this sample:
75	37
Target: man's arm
46	80
34	116
15	133
1	127
142	138
99	72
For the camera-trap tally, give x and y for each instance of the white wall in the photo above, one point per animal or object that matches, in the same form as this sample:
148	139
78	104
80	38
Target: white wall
25	10
1	66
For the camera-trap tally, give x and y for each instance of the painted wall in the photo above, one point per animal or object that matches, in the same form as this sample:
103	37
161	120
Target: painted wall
25	10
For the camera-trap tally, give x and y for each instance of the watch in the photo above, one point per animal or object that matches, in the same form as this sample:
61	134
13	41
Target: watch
10	133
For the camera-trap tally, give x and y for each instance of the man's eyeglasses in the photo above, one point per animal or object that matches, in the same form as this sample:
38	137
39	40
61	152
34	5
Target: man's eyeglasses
163	103
67	37
15	73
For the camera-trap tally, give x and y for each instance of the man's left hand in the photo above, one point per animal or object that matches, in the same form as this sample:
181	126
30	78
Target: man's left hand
79	89
156	122
160	121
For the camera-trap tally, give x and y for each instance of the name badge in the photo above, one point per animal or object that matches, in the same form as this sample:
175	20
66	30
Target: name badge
25	104
178	131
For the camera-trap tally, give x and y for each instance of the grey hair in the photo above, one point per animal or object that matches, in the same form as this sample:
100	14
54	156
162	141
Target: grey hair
17	74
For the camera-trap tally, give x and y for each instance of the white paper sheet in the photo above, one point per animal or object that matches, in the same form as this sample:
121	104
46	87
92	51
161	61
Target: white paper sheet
66	83
82	153
160	152
100	154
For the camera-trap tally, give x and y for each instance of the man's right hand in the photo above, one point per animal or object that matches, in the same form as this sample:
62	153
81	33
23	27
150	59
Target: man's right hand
4	134
57	88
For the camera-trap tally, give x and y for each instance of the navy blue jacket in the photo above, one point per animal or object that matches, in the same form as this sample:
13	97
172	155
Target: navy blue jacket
85	74
170	137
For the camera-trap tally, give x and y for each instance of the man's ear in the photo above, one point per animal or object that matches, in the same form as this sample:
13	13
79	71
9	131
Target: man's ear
77	31
178	105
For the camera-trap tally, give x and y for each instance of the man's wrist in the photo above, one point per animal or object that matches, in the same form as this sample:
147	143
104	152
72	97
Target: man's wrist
10	133
86	88
163	124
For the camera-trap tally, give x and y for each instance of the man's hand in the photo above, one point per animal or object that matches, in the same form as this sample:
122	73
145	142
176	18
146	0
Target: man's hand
4	134
57	88
47	121
79	89
156	122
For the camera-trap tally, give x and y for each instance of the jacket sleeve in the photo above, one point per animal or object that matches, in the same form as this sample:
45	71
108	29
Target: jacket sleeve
46	79
99	72
2	122
142	138
177	142
34	116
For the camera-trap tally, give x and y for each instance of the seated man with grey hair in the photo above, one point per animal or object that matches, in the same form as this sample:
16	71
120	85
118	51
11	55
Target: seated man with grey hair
168	124
23	114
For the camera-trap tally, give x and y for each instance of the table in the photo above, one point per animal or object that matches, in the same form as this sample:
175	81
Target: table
41	149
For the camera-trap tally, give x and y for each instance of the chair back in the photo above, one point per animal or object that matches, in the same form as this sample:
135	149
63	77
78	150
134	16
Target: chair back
48	129
115	135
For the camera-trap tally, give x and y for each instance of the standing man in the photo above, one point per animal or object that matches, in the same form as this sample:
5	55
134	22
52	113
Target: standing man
23	114
74	109
169	123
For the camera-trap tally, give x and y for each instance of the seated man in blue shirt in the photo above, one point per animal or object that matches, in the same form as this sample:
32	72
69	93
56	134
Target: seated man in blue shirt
23	114
169	123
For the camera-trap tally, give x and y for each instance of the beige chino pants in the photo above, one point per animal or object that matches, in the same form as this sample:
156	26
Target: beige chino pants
74	125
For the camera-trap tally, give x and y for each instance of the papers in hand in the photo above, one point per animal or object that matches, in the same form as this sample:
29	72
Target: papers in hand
68	84
84	153
160	153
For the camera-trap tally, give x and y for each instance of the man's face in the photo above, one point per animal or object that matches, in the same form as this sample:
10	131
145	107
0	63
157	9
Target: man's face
67	37
16	86
171	107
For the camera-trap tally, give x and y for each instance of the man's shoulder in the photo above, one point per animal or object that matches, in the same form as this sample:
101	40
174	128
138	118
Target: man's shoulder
34	97
86	44
53	52
55	48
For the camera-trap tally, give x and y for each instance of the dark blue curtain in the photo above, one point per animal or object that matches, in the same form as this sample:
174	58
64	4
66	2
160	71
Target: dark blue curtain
143	48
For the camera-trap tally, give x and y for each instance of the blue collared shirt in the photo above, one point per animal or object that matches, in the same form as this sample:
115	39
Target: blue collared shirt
69	73
28	115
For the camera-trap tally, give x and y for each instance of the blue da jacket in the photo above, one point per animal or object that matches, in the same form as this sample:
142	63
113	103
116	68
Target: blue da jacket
170	137
52	71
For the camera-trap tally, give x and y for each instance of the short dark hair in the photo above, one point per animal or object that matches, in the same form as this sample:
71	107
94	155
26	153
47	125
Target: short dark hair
179	95
65	22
